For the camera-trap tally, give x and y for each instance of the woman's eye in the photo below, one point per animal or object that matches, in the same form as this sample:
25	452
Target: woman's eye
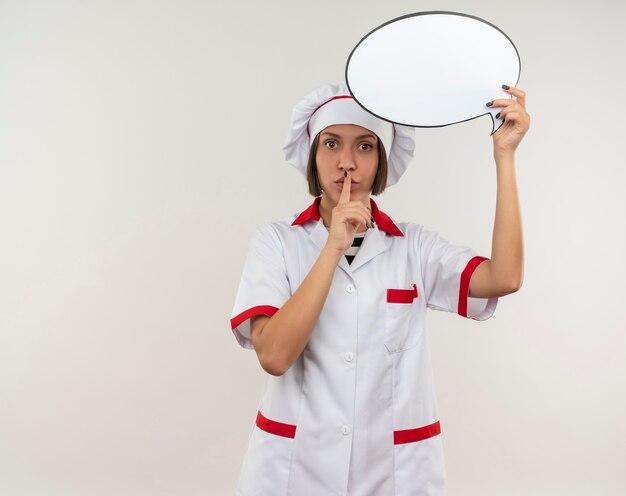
330	144
366	146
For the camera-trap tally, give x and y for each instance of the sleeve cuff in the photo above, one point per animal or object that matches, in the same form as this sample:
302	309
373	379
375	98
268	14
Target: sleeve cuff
240	324
474	308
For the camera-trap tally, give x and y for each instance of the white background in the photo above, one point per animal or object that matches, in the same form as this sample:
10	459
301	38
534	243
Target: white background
140	146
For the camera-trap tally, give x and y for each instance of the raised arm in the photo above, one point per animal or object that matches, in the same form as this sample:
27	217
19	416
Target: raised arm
279	340
504	273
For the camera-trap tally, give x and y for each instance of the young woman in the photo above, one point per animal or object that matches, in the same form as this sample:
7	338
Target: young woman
333	300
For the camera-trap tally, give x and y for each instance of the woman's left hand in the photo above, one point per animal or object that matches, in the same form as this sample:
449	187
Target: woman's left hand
516	121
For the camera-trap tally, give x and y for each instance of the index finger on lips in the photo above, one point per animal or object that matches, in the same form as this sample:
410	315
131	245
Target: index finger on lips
345	192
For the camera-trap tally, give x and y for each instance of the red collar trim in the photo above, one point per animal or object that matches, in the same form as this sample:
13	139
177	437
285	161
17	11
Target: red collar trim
311	213
383	221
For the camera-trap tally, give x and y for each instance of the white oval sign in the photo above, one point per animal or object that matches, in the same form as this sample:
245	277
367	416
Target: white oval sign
432	69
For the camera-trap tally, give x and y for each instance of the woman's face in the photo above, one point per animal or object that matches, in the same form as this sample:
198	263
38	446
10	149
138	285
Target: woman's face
349	147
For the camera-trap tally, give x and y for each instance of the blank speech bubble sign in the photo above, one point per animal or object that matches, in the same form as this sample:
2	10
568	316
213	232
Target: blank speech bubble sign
432	69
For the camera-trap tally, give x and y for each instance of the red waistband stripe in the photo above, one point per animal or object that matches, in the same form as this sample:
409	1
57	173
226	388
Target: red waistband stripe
419	434
276	428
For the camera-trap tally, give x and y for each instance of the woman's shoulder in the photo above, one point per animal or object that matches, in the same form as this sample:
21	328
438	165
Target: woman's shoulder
416	234
278	229
409	228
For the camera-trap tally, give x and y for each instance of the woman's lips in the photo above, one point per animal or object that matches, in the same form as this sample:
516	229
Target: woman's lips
340	184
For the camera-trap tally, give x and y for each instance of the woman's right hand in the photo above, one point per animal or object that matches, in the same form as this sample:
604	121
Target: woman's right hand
280	339
346	218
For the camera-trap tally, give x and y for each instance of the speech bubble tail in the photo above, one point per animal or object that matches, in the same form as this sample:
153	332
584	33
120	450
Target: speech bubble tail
495	123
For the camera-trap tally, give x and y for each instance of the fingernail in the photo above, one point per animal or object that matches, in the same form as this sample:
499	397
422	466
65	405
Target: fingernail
489	104
504	86
498	115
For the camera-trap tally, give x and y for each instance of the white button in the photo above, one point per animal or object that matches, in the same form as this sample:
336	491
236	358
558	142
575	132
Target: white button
345	430
349	356
350	288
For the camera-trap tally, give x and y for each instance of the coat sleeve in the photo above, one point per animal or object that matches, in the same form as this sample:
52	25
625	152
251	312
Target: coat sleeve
264	286
446	273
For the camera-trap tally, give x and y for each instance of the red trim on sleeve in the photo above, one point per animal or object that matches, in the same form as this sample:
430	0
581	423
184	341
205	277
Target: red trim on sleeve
419	434
466	276
246	314
402	295
276	428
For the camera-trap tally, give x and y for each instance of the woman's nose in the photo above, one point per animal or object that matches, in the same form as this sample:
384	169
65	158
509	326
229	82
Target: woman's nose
347	159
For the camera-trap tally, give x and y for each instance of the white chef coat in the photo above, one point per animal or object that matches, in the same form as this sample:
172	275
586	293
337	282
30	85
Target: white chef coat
356	413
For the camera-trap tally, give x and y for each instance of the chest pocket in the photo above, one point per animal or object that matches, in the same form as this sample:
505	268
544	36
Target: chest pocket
398	313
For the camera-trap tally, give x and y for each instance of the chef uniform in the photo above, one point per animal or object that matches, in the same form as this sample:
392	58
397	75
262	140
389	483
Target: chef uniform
356	413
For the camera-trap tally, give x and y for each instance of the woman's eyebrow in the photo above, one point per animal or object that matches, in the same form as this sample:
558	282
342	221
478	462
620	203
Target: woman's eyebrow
363	136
